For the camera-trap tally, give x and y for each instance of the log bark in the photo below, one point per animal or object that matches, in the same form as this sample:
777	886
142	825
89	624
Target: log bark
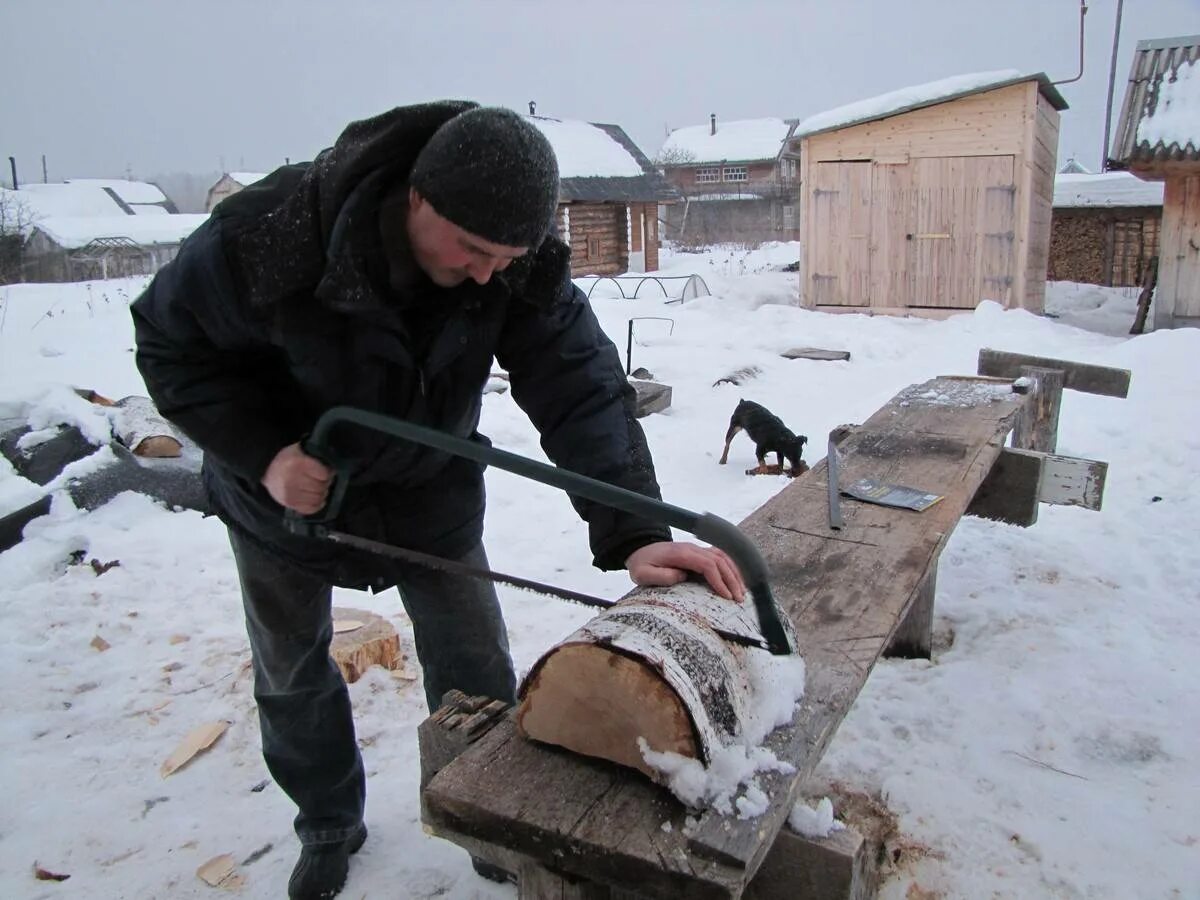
363	639
139	427
649	668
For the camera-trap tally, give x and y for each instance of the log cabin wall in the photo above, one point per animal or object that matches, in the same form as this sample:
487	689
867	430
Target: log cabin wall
598	238
932	210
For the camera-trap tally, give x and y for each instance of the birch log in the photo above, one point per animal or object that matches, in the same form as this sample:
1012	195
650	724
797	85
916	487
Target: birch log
650	667
139	427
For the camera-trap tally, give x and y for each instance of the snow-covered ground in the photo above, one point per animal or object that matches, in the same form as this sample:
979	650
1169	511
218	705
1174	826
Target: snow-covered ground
1048	750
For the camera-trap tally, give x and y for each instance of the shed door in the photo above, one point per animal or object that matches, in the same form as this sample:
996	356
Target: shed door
839	234
959	234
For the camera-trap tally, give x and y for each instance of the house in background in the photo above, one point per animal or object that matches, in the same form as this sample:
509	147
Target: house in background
1105	228
738	181
1158	139
609	196
929	199
90	197
80	248
230	183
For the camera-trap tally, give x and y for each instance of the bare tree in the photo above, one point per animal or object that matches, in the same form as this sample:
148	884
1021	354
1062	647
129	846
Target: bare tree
673	156
15	219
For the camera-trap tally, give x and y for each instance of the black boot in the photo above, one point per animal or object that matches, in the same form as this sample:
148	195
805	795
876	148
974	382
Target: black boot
322	868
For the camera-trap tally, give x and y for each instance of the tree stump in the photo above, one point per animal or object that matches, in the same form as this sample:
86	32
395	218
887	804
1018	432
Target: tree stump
363	639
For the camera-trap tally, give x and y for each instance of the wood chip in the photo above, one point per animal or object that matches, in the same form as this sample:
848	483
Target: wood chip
179	638
217	869
197	741
46	875
343	625
100	643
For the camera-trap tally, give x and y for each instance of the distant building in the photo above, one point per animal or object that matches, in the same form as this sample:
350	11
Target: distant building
609	196
81	248
738	180
1105	228
230	183
929	199
1074	167
1158	139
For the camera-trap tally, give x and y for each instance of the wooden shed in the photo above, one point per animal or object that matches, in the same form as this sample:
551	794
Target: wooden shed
930	199
1158	139
608	199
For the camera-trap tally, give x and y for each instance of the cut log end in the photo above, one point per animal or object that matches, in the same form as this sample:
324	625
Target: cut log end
374	642
597	702
159	446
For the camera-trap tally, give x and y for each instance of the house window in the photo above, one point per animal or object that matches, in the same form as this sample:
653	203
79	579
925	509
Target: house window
708	174
787	169
593	248
736	173
789	217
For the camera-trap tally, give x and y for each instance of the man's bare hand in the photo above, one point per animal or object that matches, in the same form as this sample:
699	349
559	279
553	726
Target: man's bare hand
297	481
670	562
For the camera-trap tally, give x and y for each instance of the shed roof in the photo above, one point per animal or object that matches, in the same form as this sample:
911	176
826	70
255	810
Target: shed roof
245	179
40	201
742	140
1160	118
599	163
1105	190
919	96
132	192
73	232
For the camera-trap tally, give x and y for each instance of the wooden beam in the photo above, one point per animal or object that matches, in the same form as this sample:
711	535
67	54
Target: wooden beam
1103	380
1071	481
652	397
1037	427
914	638
843	866
816	353
1010	491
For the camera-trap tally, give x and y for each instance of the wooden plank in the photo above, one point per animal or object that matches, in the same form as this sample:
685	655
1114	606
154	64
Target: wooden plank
1090	379
1011	490
984	124
652	396
845	592
1071	481
816	353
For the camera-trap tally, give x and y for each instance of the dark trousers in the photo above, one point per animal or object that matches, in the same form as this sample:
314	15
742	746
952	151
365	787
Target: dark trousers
303	706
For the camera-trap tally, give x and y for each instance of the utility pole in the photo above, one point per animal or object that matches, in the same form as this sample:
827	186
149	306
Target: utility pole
1112	77
44	178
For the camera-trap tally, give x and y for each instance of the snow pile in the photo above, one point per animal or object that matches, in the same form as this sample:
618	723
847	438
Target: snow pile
585	151
778	685
814	822
742	140
1106	189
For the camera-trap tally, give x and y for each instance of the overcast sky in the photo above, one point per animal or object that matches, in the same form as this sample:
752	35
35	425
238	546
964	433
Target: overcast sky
147	86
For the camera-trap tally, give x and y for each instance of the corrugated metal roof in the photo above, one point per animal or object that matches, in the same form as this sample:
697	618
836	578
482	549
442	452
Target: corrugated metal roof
1156	65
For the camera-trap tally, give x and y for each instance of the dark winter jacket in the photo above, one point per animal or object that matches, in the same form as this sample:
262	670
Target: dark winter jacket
275	310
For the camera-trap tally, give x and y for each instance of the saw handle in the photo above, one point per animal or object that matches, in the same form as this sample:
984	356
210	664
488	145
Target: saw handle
314	525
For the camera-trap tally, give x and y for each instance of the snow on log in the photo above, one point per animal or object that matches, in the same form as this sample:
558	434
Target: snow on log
650	667
139	427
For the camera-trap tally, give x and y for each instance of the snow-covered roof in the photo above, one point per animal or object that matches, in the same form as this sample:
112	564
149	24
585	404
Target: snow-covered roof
1160	116
1175	118
42	201
1074	167
73	232
132	192
586	151
737	141
1106	189
245	179
919	96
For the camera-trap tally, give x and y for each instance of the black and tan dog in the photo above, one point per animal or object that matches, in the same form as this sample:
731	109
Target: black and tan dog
770	435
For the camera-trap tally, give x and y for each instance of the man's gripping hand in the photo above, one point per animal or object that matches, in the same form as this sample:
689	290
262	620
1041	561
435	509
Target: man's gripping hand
670	562
297	481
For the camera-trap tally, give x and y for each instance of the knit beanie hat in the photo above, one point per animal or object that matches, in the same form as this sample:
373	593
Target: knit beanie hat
492	173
